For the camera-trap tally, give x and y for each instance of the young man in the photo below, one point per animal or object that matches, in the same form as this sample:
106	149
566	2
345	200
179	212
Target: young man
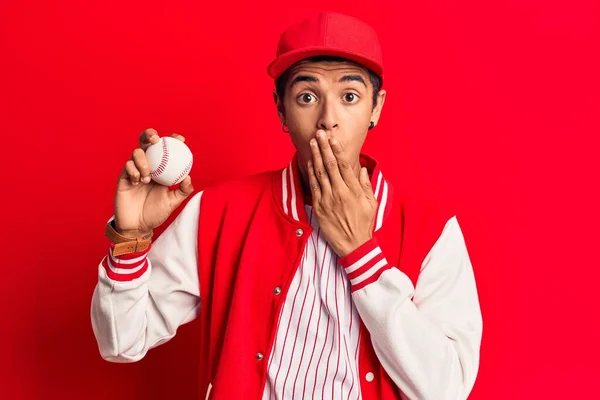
319	280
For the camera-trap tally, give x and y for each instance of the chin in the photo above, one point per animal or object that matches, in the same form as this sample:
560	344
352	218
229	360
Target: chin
304	155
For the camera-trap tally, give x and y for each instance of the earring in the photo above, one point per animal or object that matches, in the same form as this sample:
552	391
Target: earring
283	128
371	125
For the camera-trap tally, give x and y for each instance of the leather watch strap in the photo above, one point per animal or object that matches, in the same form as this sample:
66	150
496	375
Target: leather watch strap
124	244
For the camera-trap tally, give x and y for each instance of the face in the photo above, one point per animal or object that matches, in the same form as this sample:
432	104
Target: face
334	96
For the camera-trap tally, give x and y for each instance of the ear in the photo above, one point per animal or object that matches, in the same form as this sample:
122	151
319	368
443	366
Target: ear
376	113
279	106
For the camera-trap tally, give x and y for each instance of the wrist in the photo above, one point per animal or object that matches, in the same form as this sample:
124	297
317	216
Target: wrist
132	233
129	233
123	243
356	244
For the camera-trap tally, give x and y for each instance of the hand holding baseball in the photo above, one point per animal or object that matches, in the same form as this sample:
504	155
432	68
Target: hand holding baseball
141	203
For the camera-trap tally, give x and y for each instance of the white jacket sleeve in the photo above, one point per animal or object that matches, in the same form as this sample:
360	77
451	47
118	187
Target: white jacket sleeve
429	346
141	299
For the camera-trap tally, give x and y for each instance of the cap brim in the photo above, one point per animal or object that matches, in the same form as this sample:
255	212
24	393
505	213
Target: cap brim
283	62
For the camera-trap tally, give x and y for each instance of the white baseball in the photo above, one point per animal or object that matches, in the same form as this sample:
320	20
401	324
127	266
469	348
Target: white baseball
170	161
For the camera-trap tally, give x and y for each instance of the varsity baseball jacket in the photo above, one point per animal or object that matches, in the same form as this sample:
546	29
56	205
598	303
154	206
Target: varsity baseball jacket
282	316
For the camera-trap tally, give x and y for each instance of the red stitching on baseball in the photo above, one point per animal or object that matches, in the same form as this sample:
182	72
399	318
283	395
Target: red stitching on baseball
183	173
164	159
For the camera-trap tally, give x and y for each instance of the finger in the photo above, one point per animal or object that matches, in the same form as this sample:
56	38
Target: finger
315	188
131	173
141	163
365	183
344	167
178	137
147	138
182	192
319	168
329	160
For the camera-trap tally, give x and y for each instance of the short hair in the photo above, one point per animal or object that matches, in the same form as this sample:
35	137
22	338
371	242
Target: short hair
373	77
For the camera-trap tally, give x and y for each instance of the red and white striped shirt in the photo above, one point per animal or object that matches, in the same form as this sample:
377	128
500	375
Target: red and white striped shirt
315	353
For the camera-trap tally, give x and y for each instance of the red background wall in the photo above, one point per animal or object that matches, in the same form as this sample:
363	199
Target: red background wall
492	105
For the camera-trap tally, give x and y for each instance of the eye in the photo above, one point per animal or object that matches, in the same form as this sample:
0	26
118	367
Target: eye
351	97
306	98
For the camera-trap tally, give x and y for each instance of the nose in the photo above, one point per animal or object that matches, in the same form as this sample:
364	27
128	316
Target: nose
328	119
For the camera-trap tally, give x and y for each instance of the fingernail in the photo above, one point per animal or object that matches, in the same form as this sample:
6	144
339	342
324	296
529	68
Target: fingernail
146	179
320	134
334	142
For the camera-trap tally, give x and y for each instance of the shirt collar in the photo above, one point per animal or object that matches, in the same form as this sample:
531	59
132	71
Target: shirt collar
289	197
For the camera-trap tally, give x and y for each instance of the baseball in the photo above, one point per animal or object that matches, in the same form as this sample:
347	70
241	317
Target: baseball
170	161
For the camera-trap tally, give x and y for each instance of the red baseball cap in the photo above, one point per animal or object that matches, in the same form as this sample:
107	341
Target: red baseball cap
328	34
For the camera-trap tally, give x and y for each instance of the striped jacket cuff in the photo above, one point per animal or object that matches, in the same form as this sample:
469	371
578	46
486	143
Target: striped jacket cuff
126	267
364	265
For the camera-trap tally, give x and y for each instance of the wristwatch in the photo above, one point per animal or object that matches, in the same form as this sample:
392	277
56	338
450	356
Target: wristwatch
124	244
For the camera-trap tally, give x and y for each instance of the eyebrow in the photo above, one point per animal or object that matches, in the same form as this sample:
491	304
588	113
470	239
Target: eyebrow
303	78
345	78
353	78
